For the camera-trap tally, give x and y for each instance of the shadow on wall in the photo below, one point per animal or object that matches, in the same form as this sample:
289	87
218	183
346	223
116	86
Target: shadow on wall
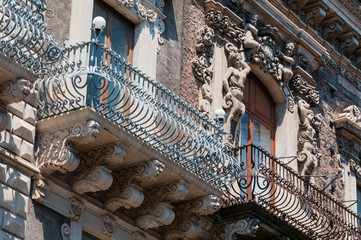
43	223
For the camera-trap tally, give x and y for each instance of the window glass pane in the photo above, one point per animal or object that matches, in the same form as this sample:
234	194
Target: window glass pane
359	200
120	38
87	236
262	136
98	11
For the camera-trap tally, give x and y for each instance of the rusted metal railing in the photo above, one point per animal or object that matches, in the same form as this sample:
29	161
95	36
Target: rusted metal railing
281	190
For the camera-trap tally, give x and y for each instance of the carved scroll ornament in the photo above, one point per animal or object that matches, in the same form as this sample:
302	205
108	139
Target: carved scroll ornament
15	90
98	179
244	227
142	12
126	190
56	149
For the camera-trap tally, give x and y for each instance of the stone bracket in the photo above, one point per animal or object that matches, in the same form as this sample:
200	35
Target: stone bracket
162	214
15	90
243	227
98	179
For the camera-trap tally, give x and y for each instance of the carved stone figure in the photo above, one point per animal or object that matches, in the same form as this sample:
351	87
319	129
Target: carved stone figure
233	81
285	69
353	113
202	66
308	154
250	36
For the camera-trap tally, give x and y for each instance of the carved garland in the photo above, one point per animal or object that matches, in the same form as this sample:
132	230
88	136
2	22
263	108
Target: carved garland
142	12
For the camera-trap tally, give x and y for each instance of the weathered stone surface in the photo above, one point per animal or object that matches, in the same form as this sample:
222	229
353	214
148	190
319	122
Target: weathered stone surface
7	200
27	151
29	114
17	108
18	180
23	129
14	225
21	204
10	141
3	170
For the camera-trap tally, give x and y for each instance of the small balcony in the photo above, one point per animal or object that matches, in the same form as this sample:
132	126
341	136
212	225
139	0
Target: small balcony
268	183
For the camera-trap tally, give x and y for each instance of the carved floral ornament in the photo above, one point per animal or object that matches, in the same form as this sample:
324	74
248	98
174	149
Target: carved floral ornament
142	12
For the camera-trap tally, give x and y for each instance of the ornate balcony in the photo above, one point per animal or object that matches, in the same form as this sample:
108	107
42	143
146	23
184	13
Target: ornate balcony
89	75
271	184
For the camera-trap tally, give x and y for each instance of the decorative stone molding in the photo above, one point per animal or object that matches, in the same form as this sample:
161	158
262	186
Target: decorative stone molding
15	91
108	225
202	66
308	152
296	4
223	27
305	90
75	208
98	179
352	6
161	29
162	214
65	231
40	187
352	113
56	149
244	227
142	12
126	190
355	167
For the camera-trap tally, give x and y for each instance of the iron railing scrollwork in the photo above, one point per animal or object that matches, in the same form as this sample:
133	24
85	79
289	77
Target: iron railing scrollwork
24	36
278	188
91	75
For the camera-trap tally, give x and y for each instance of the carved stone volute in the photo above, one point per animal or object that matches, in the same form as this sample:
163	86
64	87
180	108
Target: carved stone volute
348	43
352	113
15	90
315	13
97	179
333	29
56	151
244	227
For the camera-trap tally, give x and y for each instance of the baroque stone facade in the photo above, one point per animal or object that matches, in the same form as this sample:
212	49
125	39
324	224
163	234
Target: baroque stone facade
94	146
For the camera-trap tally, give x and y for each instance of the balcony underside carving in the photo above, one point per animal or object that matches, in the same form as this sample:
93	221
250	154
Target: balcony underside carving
244	227
96	179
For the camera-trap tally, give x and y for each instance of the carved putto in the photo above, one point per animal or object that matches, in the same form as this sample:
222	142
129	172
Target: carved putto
285	69
251	36
308	151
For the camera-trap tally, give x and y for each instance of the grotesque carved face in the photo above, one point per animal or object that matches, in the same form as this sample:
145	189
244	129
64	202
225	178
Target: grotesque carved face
253	19
289	49
208	37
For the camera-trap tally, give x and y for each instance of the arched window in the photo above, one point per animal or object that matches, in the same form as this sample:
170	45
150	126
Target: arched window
258	124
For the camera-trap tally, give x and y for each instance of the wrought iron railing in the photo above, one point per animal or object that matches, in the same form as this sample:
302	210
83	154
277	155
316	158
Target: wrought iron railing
23	34
91	75
277	187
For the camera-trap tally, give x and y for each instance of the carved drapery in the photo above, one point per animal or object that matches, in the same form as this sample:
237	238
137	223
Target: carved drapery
202	66
244	227
56	150
126	190
158	210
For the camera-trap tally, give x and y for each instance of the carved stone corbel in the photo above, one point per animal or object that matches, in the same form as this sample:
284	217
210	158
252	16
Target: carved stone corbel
158	211
108	225
187	225
348	43
244	227
56	151
40	188
98	179
333	29
126	191
14	91
75	208
315	13
352	113
162	214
